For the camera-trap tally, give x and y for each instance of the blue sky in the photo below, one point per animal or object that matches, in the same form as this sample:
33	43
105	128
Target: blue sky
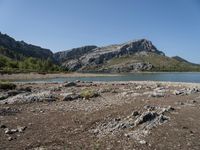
172	25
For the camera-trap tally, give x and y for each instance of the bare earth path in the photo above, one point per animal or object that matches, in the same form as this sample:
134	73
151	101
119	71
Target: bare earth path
123	115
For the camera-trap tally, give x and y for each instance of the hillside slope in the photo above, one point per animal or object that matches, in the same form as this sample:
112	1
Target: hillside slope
18	56
18	49
133	56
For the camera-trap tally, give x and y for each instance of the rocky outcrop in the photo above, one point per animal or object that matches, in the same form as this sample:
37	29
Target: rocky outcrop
132	67
73	53
91	57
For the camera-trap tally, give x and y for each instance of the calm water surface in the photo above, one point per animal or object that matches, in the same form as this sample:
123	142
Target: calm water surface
174	77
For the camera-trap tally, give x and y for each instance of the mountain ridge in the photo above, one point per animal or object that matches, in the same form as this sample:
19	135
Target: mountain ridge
131	56
99	55
19	49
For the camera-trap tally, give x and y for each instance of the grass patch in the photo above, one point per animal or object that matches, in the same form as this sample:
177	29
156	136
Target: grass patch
159	62
88	93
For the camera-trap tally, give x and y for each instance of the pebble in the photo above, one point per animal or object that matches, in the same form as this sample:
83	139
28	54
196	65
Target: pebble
142	142
21	129
10	138
7	131
135	113
2	126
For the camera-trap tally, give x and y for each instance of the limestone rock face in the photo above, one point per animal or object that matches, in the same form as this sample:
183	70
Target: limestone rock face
91	58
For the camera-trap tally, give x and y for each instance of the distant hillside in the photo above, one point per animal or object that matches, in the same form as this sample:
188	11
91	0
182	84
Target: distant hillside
18	49
18	56
178	58
134	56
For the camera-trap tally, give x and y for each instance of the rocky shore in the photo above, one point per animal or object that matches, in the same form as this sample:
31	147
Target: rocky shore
100	115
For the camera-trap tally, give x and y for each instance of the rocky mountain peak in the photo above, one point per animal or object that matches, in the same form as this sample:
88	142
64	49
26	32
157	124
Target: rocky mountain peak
141	45
93	56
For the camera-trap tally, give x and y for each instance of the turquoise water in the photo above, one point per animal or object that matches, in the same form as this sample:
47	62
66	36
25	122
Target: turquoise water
174	77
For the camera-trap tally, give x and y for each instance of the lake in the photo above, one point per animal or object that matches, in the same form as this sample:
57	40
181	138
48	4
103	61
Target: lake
173	77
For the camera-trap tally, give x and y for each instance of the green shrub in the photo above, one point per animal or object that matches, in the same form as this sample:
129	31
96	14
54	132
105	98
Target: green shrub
87	94
28	64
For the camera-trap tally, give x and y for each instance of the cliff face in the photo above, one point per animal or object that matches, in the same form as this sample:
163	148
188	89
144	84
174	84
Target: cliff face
92	58
73	53
18	49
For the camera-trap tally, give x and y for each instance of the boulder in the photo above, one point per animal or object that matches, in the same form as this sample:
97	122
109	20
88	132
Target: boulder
146	116
70	96
70	84
30	97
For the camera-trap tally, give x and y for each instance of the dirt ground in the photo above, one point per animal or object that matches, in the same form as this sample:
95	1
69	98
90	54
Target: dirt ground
73	124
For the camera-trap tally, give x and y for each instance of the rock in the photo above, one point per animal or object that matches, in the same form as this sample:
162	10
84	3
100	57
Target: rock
3	96
149	107
157	94
8	131
194	101
186	91
13	92
70	96
135	94
124	94
126	135
77	81
26	89
30	97
192	91
168	109
13	130
117	119
162	119
96	131
21	129
138	87
135	113
146	116
70	84
142	142
10	138
2	126
138	127
176	92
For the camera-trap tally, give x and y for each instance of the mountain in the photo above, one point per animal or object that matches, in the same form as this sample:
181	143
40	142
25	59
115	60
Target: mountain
19	49
73	53
133	56
18	56
182	59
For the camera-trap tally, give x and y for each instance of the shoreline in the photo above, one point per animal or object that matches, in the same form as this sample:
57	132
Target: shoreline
28	76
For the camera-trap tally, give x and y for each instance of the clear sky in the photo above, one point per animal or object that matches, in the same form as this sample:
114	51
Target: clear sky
172	25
